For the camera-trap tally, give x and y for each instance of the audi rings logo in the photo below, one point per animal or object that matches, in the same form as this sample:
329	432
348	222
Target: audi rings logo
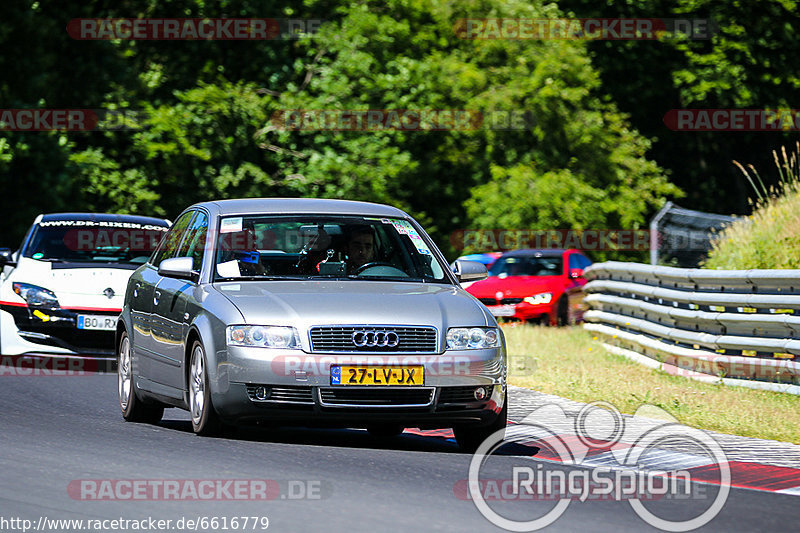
376	339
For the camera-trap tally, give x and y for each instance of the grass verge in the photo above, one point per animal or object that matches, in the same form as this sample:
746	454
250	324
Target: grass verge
570	363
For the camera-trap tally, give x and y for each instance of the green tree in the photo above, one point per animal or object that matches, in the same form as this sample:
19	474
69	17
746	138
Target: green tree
579	156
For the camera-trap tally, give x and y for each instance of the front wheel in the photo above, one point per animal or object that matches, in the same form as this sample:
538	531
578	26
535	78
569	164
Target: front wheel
133	409
205	420
562	313
470	437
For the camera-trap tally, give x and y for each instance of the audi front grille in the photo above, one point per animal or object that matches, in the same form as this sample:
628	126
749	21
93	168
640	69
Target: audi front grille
376	397
415	339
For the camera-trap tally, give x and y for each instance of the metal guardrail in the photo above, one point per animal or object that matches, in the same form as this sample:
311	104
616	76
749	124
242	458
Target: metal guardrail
742	324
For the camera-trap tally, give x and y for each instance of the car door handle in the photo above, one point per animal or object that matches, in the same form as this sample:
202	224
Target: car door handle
156	297
136	287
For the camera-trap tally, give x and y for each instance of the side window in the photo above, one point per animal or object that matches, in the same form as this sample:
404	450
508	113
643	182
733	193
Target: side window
195	242
574	261
169	246
583	261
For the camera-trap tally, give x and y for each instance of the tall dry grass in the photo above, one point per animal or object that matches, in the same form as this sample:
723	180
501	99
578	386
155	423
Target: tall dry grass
770	237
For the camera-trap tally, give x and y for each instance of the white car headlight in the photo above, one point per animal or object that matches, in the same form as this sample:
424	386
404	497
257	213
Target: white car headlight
472	338
541	298
263	336
36	296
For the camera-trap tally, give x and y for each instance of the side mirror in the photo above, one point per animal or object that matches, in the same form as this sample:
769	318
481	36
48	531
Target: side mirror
469	270
575	273
6	257
178	267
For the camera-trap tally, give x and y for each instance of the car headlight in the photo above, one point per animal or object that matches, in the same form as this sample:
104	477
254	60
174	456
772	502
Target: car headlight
263	336
36	296
541	298
472	338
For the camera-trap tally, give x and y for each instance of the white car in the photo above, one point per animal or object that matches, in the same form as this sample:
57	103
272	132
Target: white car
62	291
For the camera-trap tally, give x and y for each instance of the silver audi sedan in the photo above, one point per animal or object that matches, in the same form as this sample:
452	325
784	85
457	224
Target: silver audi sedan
310	312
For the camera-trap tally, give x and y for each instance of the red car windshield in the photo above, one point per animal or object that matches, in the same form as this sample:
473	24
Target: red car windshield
527	266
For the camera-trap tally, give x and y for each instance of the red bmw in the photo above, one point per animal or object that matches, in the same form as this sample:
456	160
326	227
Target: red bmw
540	286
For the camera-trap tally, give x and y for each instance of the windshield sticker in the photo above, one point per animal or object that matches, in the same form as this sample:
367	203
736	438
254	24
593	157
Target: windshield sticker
229	269
404	227
231	224
400	227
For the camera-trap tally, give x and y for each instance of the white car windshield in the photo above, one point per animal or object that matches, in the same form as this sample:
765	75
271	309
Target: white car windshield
303	247
72	241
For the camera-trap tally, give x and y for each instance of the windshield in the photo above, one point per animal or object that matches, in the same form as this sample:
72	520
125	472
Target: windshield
527	266
88	241
303	247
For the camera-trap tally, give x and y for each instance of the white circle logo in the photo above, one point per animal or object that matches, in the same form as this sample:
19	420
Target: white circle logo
638	447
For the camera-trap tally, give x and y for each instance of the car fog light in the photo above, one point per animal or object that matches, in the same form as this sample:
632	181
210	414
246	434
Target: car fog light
261	393
480	393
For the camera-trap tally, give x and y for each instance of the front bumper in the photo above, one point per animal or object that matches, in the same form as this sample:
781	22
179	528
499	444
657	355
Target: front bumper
522	310
296	388
26	330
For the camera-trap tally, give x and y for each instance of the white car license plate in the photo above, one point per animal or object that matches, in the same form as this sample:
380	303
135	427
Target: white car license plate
503	310
101	322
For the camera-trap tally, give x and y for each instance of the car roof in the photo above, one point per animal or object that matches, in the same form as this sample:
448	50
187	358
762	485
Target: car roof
104	217
545	252
244	206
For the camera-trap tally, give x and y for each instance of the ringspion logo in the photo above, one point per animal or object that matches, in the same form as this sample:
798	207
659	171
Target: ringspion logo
610	458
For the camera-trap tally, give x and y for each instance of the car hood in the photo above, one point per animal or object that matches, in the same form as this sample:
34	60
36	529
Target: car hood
514	286
83	286
308	303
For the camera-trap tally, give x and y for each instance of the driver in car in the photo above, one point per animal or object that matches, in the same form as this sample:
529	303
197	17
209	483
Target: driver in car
360	248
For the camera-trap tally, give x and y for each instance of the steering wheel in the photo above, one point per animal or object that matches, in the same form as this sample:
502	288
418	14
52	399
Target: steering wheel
374	264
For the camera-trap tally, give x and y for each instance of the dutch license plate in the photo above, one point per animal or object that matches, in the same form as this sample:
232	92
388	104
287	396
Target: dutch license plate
377	375
503	310
100	322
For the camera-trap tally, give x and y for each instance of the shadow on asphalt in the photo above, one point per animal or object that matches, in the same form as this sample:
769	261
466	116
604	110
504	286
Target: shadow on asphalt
346	438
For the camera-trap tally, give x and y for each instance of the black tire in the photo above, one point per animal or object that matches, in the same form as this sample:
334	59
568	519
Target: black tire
385	431
469	437
562	316
132	407
543	321
205	420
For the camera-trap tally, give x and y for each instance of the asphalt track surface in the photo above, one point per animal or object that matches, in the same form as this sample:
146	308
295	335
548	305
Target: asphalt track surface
55	430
